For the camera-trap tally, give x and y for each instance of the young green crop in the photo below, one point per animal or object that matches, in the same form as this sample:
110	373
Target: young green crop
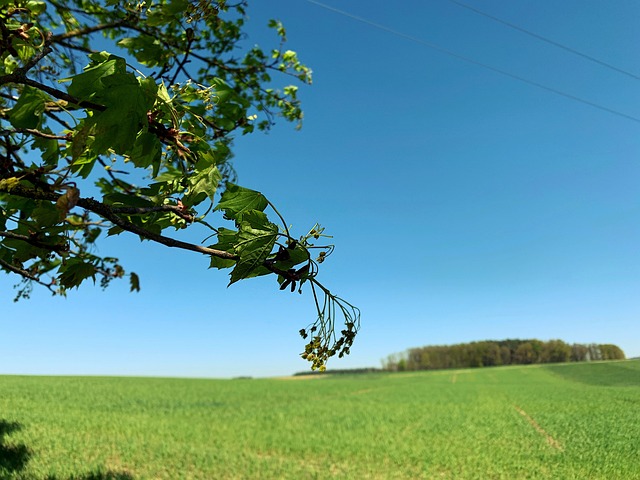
555	422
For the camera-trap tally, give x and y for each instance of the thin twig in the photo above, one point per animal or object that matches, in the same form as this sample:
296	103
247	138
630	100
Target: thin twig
36	133
181	65
25	274
71	46
33	61
62	122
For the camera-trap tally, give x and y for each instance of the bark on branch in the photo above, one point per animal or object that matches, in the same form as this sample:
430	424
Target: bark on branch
35	242
108	213
162	208
87	30
23	273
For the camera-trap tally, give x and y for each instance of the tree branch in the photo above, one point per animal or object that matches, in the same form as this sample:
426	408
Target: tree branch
79	48
59	94
32	240
87	30
25	274
20	78
162	208
181	65
108	213
33	61
36	133
50	114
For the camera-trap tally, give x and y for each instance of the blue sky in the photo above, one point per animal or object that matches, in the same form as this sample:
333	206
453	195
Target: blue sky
464	204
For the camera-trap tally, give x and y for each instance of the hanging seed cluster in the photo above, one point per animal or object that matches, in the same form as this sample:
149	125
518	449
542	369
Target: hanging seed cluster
318	350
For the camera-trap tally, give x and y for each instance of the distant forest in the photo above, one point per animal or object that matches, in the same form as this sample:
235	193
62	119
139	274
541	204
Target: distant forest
499	352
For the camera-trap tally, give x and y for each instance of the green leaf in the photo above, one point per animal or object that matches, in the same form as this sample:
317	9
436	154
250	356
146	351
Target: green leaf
256	238
254	220
146	151
27	112
73	273
220	263
147	50
115	230
237	200
176	7
88	83
83	159
202	185
83	165
127	104
124	199
46	215
79	141
134	281
256	252
226	93
49	148
36	8
227	239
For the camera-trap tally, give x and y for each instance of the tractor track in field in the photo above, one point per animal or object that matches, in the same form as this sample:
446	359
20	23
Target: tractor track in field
550	440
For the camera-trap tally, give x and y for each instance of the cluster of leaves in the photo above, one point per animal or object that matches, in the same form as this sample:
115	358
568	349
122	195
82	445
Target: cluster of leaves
74	119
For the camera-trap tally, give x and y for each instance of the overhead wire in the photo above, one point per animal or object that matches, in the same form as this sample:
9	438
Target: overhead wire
545	39
474	62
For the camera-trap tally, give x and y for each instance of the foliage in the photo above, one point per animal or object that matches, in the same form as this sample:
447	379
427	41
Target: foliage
501	352
454	424
147	127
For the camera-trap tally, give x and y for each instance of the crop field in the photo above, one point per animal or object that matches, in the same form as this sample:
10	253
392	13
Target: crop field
574	421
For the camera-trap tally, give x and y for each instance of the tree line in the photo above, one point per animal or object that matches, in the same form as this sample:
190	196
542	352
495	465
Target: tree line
499	352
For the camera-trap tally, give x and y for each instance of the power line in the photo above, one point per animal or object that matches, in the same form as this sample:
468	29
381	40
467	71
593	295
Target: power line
472	61
544	39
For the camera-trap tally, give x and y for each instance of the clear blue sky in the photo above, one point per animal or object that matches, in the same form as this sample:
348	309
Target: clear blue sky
465	205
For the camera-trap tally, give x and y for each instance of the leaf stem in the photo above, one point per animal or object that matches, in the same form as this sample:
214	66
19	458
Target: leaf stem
284	224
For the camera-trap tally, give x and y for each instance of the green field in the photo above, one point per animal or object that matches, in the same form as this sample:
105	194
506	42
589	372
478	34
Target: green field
574	421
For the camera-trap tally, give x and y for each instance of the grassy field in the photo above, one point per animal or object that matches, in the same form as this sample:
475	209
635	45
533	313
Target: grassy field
579	421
